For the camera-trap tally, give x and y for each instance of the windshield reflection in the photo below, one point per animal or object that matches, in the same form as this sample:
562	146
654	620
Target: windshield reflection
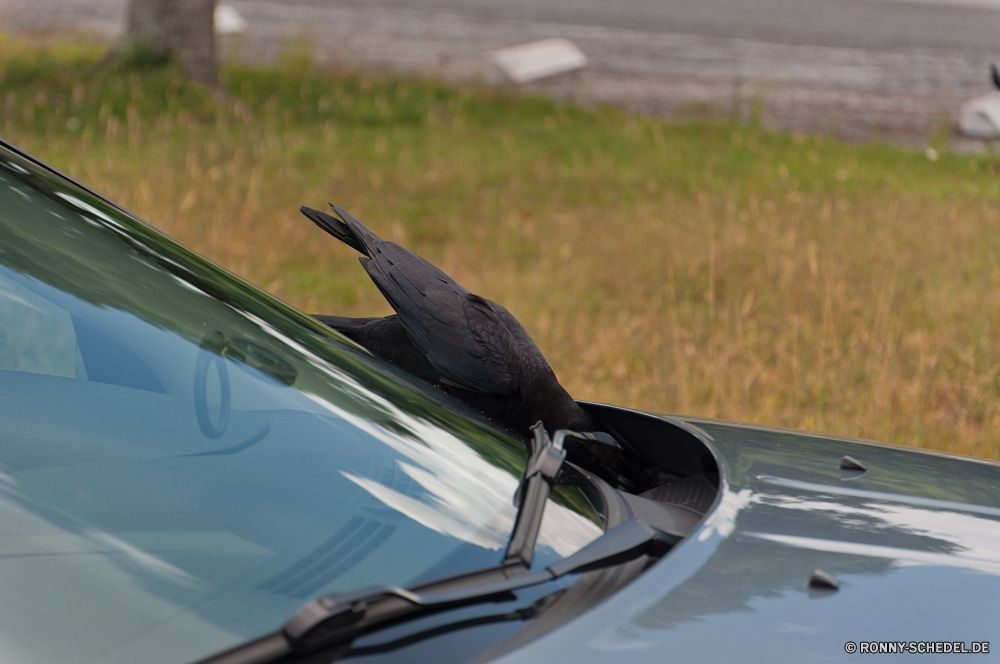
205	456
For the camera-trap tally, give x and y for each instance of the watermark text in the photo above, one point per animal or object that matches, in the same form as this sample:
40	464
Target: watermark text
918	647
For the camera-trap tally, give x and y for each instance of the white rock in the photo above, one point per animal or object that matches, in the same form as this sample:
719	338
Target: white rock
228	21
980	117
530	62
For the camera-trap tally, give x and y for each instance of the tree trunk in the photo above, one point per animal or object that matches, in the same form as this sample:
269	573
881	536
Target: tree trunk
179	28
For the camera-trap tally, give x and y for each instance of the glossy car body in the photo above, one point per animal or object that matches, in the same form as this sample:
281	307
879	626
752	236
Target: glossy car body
912	542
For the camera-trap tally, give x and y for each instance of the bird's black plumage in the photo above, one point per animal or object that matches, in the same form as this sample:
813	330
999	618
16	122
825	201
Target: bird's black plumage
467	345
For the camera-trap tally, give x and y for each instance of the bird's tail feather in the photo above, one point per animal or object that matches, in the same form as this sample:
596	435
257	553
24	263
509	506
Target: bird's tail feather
364	235
344	232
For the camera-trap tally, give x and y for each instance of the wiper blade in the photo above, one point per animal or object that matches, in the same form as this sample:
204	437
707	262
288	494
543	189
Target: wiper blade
336	620
521	614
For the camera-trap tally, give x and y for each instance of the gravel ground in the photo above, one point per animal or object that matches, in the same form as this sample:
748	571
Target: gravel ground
903	93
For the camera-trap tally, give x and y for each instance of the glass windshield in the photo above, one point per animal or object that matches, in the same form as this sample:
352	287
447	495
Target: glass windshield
185	460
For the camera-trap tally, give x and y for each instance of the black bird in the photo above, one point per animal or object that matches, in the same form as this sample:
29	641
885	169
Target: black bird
463	343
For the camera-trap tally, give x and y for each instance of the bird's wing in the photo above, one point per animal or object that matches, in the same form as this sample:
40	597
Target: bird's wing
530	358
460	333
343	323
488	358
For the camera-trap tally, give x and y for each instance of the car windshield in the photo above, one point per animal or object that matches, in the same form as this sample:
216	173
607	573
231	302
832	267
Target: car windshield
185	460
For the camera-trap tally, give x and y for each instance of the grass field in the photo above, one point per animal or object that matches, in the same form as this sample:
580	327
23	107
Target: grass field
704	268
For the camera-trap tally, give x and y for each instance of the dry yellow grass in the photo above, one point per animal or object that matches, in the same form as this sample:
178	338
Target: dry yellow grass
705	269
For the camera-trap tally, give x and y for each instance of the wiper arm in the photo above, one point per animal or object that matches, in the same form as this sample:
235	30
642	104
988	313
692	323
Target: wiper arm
339	619
543	466
547	456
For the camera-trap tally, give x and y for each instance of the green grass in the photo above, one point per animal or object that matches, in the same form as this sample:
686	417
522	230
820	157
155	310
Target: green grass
707	268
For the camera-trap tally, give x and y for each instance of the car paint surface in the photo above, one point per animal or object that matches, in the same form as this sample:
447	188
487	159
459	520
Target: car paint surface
914	544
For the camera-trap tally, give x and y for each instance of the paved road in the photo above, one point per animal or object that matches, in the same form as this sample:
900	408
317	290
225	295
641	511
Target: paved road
868	24
853	68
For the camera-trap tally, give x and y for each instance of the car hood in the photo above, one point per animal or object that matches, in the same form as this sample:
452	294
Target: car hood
914	543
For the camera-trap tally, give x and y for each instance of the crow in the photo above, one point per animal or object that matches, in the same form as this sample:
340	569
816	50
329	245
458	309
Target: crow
465	344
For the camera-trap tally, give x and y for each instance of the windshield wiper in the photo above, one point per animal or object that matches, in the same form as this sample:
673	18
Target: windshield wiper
339	619
336	620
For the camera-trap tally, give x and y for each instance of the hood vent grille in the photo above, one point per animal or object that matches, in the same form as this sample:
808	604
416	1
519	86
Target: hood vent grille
695	492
